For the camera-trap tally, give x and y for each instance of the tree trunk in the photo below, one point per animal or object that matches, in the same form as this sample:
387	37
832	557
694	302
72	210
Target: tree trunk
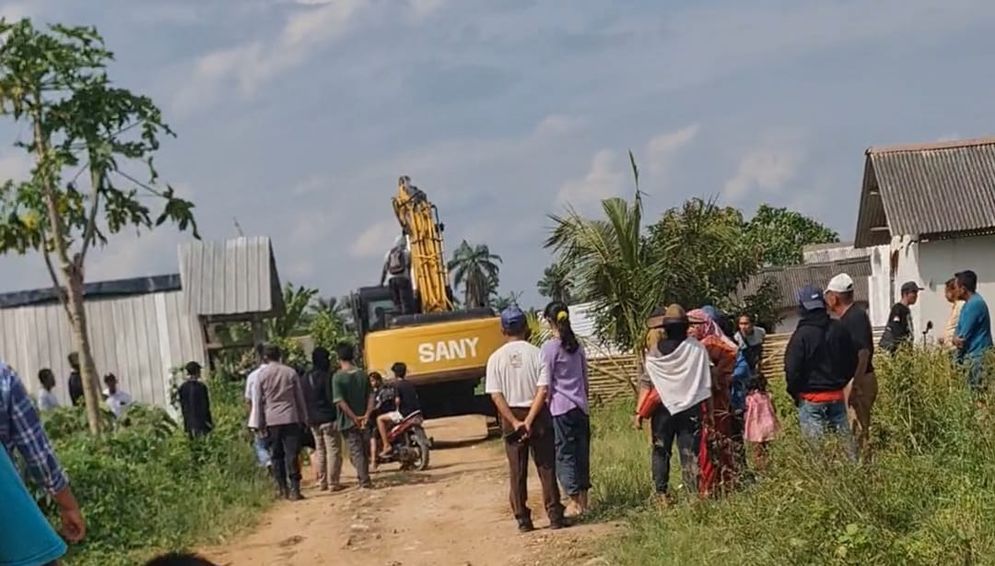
81	340
72	272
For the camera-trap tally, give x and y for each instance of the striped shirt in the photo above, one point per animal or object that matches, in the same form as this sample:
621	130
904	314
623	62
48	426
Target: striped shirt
21	429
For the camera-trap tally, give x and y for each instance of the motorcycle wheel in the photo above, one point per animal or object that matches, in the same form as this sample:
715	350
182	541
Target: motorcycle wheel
420	444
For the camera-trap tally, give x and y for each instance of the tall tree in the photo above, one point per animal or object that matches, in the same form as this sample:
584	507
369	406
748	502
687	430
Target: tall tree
781	234
556	283
476	270
614	264
710	257
55	82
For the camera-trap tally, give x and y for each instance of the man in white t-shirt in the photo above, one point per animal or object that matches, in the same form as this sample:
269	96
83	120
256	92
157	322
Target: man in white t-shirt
518	386
259	443
117	401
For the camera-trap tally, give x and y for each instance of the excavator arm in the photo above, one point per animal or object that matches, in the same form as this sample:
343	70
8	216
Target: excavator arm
419	219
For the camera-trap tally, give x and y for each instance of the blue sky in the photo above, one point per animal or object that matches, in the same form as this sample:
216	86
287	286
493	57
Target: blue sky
297	117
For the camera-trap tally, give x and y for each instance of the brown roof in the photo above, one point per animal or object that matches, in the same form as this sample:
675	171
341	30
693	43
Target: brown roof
934	190
792	278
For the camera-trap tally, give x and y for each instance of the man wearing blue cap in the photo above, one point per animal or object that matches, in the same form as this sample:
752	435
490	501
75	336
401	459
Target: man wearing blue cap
518	387
819	360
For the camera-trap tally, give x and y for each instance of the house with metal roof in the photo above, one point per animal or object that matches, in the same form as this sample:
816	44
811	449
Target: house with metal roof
789	279
143	328
933	205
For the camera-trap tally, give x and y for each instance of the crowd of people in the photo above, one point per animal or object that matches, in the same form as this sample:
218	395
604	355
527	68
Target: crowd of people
325	411
703	389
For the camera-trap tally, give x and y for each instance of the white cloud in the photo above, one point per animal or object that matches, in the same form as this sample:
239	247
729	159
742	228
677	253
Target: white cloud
661	149
254	63
605	178
375	240
765	169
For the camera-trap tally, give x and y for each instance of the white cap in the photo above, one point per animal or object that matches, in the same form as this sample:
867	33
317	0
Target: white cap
841	283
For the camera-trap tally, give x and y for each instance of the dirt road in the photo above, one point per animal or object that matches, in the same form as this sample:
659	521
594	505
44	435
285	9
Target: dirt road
456	513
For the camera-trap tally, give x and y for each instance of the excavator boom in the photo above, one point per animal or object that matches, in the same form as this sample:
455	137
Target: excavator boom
419	220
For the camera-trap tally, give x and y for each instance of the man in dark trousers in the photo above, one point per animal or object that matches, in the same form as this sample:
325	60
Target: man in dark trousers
282	413
518	386
195	403
397	274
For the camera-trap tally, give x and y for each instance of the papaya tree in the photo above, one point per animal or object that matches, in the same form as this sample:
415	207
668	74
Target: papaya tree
83	135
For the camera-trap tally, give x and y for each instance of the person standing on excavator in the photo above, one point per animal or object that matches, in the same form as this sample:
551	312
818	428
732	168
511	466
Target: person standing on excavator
397	274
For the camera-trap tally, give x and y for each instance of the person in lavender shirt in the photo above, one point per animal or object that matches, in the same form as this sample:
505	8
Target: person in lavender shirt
565	363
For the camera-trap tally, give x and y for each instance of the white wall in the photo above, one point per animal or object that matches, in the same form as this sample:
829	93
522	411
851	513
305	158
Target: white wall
879	286
931	263
138	338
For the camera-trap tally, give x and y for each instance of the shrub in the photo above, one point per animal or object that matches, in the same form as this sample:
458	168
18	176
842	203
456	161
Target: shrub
926	497
144	486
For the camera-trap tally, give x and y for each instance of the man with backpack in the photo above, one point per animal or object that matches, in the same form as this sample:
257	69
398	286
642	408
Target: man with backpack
396	273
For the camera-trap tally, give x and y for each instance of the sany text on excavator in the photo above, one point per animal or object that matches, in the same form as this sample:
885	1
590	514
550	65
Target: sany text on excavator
445	348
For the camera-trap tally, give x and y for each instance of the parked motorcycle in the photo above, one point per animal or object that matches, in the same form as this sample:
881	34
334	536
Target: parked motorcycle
409	444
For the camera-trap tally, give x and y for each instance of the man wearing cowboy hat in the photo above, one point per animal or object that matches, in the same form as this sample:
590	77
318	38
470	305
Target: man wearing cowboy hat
677	372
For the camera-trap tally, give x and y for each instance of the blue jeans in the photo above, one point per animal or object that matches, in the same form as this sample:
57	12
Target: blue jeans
573	450
261	448
816	419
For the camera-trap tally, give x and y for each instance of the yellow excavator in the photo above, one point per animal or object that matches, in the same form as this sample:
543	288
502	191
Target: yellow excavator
445	348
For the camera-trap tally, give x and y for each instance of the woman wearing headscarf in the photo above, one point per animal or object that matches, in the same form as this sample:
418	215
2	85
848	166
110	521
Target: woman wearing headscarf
717	453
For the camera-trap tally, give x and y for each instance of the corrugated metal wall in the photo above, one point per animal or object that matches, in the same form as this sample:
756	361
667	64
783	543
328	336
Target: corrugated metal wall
138	338
237	276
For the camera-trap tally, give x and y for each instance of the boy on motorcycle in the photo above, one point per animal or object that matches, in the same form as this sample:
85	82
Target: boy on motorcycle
383	402
405	402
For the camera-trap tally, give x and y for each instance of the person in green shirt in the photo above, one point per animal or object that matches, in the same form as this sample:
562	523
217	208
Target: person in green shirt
352	396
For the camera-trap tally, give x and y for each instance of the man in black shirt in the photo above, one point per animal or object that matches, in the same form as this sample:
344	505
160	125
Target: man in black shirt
321	416
900	329
405	403
195	403
863	388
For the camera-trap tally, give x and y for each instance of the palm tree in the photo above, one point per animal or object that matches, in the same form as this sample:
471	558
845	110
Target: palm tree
338	308
556	283
475	269
614	264
502	302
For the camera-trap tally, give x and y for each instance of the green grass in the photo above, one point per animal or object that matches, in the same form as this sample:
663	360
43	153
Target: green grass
145	488
928	496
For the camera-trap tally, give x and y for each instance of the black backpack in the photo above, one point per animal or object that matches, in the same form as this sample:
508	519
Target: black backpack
395	262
